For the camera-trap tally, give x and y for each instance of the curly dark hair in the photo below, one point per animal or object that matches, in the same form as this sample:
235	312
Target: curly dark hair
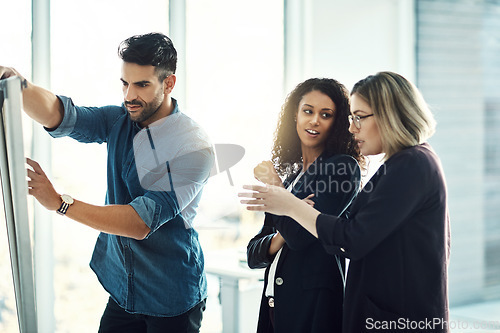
287	153
153	49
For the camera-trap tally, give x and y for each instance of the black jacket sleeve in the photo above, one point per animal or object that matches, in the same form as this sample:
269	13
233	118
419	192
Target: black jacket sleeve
333	181
258	248
401	188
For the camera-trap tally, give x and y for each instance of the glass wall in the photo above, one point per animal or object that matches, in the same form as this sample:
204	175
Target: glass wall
458	66
235	90
234	66
491	50
15	51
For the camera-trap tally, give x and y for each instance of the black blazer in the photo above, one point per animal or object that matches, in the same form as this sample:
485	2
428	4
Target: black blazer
397	237
309	292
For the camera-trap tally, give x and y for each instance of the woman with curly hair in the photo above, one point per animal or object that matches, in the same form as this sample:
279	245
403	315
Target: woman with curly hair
318	159
397	235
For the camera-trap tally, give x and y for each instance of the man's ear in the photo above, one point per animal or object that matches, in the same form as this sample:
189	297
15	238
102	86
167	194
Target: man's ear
169	84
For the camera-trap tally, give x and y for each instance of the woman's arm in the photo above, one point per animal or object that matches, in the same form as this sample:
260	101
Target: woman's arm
333	184
265	173
259	247
277	243
278	201
399	193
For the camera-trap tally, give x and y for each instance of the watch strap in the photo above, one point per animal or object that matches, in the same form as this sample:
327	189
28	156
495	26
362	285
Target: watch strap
63	209
66	202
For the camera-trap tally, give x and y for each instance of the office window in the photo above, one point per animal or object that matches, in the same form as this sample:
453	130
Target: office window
15	34
233	90
491	42
234	53
458	66
234	66
86	67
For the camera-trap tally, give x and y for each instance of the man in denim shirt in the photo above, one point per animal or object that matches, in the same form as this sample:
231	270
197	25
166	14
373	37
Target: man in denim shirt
147	255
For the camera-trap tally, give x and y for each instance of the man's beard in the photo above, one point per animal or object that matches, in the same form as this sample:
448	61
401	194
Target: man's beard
147	112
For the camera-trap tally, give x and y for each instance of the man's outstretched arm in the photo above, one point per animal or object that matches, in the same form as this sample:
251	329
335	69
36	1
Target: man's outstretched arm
121	220
39	104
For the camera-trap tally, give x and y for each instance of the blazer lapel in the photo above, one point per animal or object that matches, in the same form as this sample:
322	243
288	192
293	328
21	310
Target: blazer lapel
308	176
297	188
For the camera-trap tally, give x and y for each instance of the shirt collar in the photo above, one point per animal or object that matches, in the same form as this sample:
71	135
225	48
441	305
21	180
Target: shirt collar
174	111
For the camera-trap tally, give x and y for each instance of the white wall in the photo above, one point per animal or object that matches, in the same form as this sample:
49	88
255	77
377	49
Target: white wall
350	39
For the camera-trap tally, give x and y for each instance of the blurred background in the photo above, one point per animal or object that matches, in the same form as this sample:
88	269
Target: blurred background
237	61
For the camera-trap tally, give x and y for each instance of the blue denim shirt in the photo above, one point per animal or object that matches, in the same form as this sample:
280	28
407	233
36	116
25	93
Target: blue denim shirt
162	275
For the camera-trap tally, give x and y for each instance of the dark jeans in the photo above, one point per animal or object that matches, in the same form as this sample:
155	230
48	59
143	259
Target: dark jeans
117	320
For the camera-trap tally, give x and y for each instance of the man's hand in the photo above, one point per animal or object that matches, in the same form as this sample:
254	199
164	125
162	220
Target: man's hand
265	172
39	104
121	220
6	72
41	188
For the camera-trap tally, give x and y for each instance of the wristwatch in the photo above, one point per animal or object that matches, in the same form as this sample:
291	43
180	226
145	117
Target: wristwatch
66	202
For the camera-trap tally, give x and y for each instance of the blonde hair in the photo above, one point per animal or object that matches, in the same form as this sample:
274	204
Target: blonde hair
402	115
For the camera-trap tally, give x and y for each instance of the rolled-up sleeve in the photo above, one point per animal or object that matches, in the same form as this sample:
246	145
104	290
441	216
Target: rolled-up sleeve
86	124
149	211
69	119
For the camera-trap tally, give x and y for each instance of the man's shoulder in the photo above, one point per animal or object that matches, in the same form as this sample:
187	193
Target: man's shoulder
189	122
183	129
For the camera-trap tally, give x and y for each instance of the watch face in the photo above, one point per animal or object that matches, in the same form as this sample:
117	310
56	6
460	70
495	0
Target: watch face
67	199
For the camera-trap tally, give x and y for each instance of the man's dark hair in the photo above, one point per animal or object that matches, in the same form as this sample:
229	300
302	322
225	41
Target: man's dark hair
153	49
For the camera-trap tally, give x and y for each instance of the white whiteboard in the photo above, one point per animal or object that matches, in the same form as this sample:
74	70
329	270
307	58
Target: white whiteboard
15	191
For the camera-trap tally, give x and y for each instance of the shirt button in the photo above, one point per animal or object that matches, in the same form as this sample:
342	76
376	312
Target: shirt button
279	281
342	249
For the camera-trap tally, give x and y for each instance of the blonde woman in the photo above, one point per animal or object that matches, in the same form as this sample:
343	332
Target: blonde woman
397	233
